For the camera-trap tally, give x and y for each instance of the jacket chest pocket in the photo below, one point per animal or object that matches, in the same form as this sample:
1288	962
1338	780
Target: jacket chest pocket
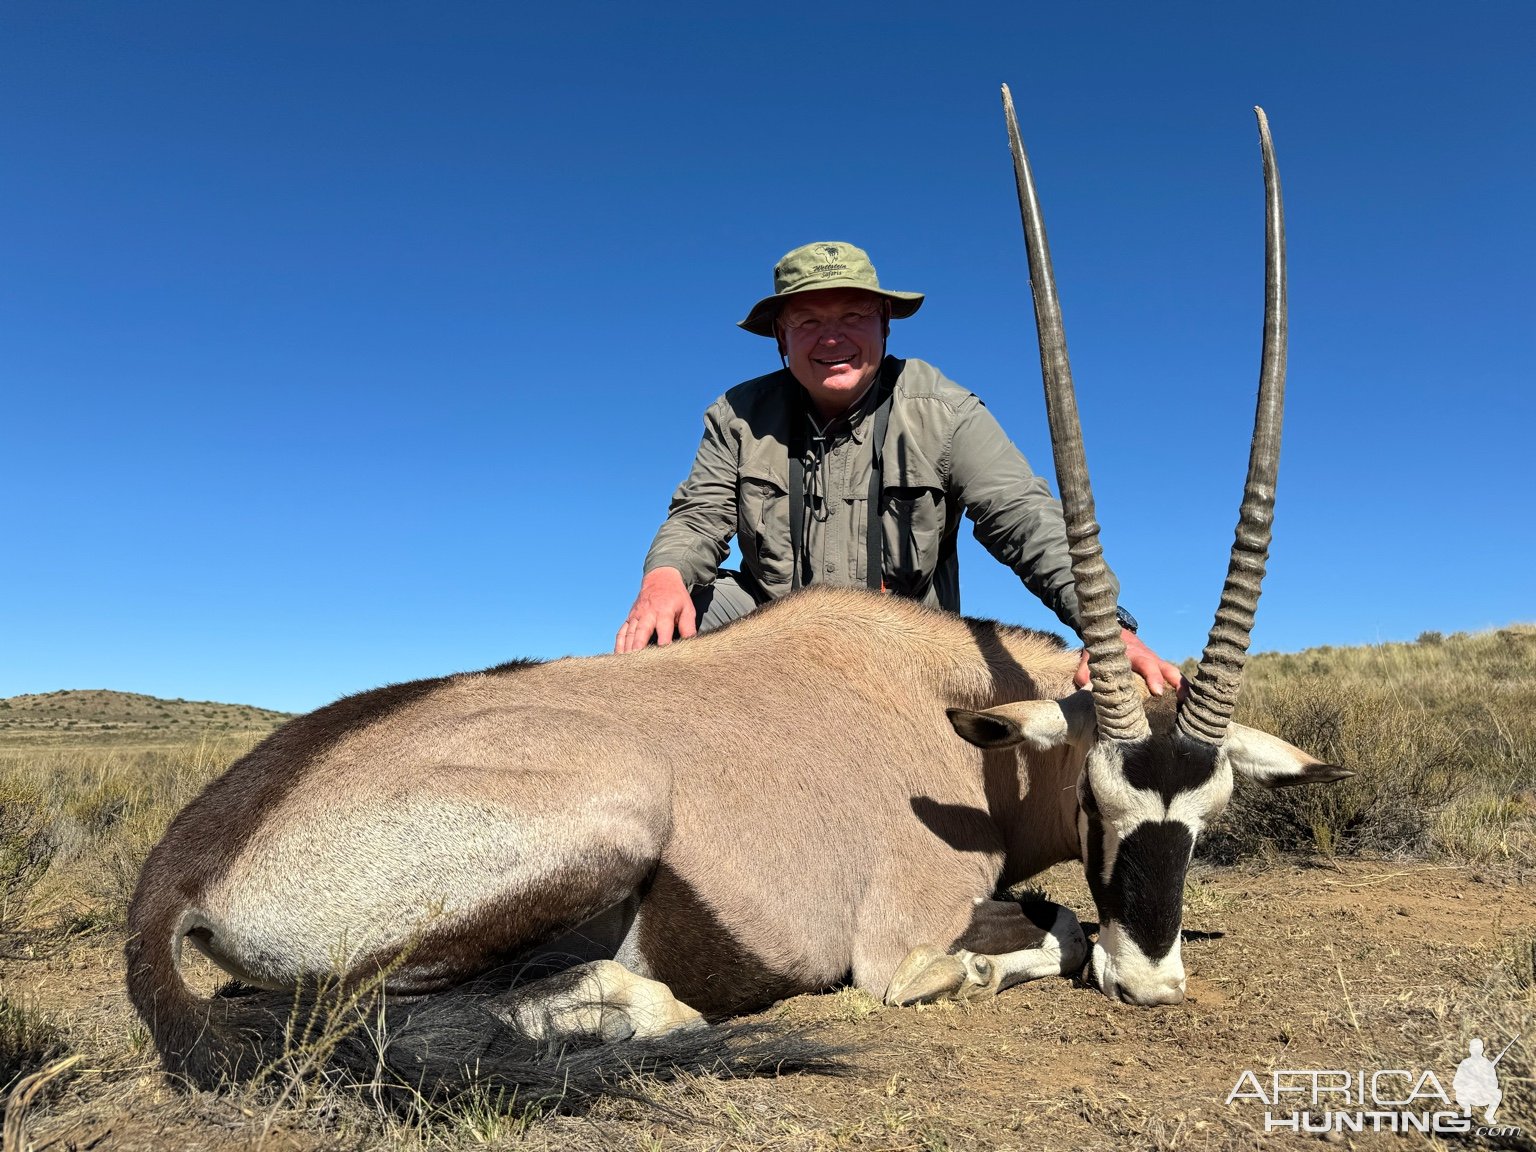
912	524
762	524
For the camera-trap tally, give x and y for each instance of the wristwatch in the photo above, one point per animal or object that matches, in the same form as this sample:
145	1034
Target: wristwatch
1127	621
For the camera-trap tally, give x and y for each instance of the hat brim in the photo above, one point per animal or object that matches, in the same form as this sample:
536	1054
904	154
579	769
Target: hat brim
760	320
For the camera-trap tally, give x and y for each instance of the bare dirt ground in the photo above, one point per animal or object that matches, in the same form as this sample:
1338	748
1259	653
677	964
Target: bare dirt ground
1360	965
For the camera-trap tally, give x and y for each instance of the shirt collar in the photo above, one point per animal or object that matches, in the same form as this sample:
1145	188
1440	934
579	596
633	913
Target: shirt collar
854	422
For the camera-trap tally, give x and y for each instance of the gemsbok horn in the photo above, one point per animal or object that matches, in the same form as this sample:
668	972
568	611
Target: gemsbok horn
1155	776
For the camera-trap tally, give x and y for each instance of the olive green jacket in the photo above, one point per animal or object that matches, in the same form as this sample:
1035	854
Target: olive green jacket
944	453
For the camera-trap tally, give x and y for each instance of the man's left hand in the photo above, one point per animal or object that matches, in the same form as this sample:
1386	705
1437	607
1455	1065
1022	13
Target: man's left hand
1157	672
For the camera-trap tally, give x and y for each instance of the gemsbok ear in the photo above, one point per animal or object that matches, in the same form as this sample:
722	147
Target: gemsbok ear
1042	724
1272	763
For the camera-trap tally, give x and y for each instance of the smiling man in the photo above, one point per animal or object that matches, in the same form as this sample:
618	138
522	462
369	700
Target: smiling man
849	467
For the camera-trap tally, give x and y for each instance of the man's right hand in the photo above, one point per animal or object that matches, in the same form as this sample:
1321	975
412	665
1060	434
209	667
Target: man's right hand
663	609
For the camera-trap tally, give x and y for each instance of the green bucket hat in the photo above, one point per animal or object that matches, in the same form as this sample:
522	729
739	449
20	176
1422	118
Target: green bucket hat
824	265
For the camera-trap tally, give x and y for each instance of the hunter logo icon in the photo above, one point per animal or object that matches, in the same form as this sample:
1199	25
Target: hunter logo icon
1477	1082
830	264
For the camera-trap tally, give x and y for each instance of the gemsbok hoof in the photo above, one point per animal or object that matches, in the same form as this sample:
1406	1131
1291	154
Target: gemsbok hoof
601	1000
930	973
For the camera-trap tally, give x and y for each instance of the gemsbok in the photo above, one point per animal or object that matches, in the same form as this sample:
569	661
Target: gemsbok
659	840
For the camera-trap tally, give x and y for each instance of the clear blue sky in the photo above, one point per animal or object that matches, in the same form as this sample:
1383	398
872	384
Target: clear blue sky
350	343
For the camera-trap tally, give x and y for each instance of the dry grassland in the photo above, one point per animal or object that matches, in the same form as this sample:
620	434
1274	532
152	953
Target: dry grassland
1379	923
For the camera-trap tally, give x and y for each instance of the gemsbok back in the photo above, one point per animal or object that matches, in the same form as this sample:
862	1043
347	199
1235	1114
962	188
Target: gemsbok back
524	863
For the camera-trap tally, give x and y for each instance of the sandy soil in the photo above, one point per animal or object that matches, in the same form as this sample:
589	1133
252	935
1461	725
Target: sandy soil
1357	966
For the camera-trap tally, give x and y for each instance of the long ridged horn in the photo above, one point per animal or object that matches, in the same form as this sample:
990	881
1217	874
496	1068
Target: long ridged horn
1115	699
1204	715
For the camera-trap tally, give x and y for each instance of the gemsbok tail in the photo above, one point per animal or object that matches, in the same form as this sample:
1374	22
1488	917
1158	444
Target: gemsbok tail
408	1047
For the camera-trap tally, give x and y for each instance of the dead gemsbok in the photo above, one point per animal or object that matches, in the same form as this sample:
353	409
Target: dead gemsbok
688	833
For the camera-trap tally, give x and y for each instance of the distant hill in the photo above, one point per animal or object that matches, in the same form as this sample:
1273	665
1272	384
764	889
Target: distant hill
97	716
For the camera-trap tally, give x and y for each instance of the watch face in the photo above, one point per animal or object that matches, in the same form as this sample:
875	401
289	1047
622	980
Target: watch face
1127	621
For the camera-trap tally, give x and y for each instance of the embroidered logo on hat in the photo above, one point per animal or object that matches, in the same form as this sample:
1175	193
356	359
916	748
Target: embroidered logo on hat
830	265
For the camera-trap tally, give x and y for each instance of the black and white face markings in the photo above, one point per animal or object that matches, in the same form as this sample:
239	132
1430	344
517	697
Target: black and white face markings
1141	807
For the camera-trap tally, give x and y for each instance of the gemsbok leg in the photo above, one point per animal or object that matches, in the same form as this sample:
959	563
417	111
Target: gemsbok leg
598	1000
1006	943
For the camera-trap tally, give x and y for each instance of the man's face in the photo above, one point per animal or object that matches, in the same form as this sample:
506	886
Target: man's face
833	340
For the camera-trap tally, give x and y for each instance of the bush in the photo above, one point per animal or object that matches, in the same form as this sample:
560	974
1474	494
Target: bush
1405	776
1442	736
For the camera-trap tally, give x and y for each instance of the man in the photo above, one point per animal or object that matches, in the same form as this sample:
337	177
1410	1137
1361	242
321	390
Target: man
849	466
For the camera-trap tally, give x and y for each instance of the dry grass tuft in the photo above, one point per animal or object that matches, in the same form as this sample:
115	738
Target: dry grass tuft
23	1096
29	1039
26	850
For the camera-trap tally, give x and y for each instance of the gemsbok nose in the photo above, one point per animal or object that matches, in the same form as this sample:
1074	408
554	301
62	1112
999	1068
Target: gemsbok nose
1162	992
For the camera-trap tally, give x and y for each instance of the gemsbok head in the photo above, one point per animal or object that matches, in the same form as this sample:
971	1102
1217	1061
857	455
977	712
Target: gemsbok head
1157	771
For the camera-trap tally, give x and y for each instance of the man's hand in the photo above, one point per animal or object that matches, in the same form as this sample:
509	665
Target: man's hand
1157	672
662	609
